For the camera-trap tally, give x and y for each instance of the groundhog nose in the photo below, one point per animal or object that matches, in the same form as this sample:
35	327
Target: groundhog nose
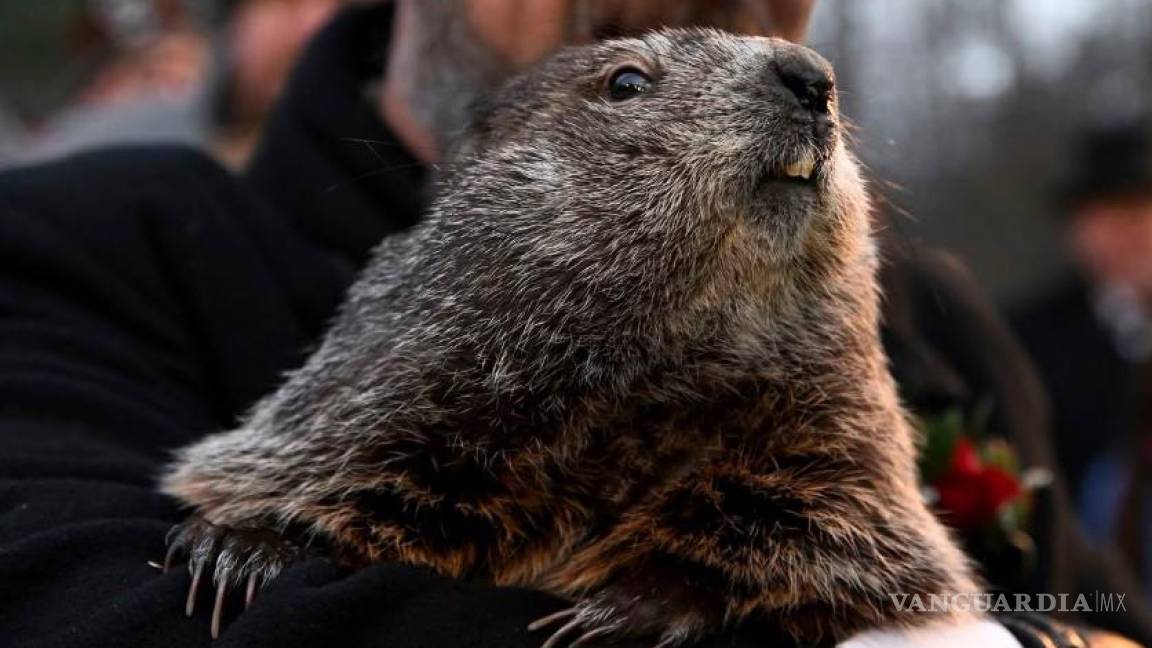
805	74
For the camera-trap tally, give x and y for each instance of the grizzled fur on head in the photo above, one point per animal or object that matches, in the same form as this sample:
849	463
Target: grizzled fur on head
658	214
633	345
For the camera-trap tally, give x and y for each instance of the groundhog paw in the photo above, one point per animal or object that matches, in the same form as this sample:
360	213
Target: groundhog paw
615	614
252	556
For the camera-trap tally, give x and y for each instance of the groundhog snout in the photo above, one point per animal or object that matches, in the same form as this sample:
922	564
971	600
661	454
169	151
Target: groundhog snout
802	81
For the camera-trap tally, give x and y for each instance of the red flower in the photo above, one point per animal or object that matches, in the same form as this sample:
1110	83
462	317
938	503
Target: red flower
970	493
965	460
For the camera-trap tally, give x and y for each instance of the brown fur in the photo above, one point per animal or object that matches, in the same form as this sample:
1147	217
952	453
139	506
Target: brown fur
622	361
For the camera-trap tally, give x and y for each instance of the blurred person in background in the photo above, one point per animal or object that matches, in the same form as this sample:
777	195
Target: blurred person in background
1092	338
11	132
147	62
204	74
140	316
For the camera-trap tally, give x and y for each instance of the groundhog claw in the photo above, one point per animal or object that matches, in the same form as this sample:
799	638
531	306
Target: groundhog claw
544	622
590	635
595	621
234	555
622	610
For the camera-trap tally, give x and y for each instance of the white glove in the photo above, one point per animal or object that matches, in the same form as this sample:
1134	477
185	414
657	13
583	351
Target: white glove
982	633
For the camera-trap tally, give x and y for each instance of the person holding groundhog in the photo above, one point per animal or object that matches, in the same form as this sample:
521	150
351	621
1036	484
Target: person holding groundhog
149	298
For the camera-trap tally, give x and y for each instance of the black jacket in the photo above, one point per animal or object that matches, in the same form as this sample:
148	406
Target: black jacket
147	297
1098	396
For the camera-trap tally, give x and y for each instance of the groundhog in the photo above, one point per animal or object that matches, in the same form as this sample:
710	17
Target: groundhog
630	357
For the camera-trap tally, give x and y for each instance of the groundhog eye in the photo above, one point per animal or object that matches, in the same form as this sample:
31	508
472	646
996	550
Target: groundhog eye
627	83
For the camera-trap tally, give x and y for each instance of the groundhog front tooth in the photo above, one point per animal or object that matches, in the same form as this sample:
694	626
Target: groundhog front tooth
801	168
806	165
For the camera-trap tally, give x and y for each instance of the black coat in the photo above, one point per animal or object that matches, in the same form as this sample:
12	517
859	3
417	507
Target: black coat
1098	396
147	297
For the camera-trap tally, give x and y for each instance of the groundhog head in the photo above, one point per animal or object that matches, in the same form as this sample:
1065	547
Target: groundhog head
667	174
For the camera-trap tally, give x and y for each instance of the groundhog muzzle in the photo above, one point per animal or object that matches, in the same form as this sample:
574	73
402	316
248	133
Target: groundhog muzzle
630	357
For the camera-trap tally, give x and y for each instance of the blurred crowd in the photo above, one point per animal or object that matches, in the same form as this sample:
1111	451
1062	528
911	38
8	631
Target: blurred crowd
82	73
1091	337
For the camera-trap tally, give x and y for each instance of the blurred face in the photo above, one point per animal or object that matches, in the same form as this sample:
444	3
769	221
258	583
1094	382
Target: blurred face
1112	240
